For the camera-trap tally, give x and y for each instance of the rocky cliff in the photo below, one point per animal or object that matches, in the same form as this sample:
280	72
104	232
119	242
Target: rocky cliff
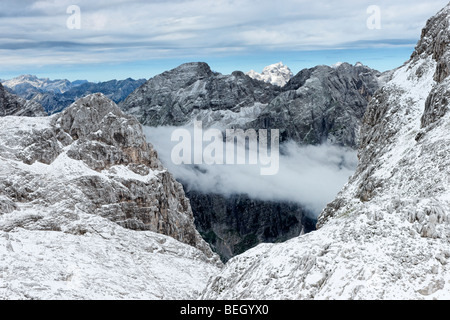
12	105
82	194
387	234
322	104
194	91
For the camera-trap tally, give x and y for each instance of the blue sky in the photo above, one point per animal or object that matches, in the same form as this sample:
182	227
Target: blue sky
139	39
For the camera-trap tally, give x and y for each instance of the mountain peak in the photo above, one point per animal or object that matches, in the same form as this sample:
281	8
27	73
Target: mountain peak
276	74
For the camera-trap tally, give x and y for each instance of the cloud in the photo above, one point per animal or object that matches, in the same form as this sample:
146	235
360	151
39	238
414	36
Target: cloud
309	175
120	30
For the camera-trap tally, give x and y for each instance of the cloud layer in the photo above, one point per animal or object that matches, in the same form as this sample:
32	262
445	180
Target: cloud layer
35	32
309	175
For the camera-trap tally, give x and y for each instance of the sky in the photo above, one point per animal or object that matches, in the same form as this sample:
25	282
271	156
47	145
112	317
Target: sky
116	39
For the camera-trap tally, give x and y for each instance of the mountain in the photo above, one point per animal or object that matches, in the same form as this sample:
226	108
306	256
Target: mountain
191	91
322	104
386	235
233	224
12	105
317	105
56	95
277	74
87	211
27	84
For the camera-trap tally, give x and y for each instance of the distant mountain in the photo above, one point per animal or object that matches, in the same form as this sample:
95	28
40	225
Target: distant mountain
386	235
12	105
28	84
192	91
277	74
56	95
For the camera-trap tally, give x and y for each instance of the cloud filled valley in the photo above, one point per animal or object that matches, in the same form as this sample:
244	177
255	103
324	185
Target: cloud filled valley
308	175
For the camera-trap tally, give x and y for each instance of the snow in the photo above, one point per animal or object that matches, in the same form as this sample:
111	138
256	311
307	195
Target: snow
396	245
277	74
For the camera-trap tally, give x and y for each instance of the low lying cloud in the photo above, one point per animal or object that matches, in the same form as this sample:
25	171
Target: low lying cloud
309	175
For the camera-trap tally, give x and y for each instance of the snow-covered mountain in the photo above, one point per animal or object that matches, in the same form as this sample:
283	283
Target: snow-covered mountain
277	74
88	211
12	105
387	234
26	83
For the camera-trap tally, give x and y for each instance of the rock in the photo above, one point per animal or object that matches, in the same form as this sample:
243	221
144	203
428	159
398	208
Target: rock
383	236
11	105
95	159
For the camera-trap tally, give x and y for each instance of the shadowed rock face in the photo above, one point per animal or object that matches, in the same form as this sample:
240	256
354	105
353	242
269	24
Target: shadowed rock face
233	224
11	105
98	162
386	235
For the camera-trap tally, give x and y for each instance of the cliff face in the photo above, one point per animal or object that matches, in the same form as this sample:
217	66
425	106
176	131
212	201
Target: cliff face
12	105
233	224
79	177
322	104
387	234
193	91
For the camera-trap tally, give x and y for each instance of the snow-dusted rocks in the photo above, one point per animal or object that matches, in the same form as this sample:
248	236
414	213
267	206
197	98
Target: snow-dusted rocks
277	74
12	105
387	234
192	91
82	190
322	104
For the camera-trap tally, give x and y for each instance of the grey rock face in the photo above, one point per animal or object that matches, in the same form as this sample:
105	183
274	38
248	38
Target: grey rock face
176	97
322	104
94	159
11	105
234	224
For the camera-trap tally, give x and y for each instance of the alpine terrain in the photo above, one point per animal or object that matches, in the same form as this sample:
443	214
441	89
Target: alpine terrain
387	234
319	105
87	211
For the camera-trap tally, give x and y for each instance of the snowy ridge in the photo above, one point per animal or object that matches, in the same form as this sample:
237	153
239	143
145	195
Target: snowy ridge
387	234
277	74
88	212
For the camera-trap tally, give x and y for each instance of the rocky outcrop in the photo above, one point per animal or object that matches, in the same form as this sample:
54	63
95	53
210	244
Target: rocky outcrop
322	104
233	224
94	159
386	236
11	105
193	91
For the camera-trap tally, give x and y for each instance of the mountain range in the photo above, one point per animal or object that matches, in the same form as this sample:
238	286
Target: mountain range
56	95
88	211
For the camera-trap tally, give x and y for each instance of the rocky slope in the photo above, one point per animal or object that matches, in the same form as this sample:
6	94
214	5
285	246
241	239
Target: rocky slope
387	234
193	91
12	105
82	198
277	74
322	104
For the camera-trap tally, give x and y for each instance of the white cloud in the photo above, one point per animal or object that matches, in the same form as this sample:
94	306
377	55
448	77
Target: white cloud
134	30
309	175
